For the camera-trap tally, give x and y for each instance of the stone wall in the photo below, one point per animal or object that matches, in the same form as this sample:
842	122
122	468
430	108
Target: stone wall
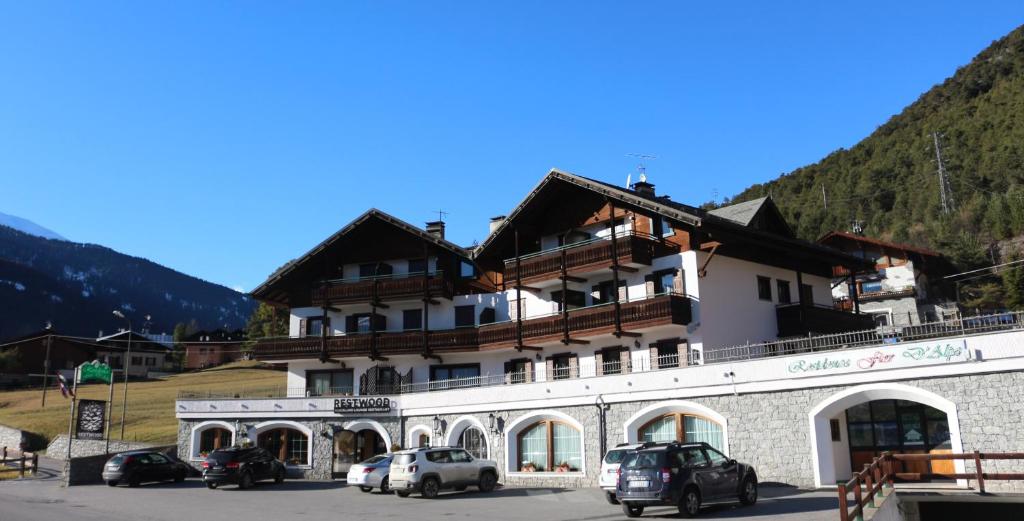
58	448
11	438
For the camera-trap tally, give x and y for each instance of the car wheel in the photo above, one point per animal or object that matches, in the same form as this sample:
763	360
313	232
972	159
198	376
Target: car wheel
430	488
211	485
385	486
487	482
632	510
245	481
748	492
279	477
366	489
134	481
112	483
609	496
402	493
689	505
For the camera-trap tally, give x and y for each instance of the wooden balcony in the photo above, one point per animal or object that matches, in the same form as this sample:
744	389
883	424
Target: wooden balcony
398	287
595	320
801	320
586	257
359	344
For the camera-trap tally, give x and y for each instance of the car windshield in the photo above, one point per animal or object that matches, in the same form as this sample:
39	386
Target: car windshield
644	460
116	460
377	459
615	456
404	459
222	456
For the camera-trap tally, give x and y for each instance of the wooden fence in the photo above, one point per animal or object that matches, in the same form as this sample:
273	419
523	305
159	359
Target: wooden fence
881	474
23	462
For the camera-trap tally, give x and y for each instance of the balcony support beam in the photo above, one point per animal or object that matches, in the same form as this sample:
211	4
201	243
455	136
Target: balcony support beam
427	301
615	272
713	246
565	302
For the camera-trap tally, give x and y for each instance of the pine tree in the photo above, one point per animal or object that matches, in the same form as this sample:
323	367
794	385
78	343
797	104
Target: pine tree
265	322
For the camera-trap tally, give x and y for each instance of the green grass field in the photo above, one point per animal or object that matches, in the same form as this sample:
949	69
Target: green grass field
150	415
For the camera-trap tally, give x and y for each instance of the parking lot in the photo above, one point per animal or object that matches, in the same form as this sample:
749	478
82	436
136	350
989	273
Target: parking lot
32	500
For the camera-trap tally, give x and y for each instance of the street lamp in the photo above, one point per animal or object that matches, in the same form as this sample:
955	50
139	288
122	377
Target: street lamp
127	360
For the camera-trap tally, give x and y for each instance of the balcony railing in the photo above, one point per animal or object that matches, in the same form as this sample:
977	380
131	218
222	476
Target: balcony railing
592	320
804	319
586	256
384	287
360	344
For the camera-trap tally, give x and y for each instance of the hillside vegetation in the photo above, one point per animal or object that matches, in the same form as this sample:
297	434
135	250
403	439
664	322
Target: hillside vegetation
889	179
150	415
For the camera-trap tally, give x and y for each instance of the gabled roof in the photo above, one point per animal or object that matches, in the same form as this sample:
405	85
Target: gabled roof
373	213
877	242
139	341
660	205
760	213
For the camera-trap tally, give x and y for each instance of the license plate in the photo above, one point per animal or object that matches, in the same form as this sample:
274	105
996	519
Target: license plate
639	483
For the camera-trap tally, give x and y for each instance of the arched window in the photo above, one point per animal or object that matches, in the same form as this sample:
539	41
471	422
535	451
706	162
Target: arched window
214	438
473	440
550	446
288	445
682	427
423	441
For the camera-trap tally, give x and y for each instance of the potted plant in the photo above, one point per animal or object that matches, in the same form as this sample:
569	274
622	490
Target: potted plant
528	466
563	467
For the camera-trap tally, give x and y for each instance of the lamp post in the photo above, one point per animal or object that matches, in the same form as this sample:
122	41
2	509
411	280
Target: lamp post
46	362
127	361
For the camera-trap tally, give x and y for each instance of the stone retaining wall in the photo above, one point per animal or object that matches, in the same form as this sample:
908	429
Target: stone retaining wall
58	448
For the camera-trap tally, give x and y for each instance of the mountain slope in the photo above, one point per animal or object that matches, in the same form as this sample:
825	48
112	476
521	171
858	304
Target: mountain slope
77	286
27	226
888	181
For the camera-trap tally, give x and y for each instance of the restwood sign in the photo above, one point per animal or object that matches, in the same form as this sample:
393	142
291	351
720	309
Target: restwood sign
888	357
375	405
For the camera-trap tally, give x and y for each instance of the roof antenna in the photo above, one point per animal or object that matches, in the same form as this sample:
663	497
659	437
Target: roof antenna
641	168
441	214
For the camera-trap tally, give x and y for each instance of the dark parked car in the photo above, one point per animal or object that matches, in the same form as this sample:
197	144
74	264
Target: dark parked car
139	466
241	466
686	475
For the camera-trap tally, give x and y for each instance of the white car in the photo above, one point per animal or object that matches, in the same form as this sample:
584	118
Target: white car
371	474
609	477
429	470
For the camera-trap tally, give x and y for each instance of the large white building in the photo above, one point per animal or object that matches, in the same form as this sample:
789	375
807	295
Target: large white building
590	316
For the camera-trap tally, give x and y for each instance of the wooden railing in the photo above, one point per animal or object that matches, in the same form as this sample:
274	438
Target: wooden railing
359	344
586	256
802	319
662	309
383	288
880	475
24	462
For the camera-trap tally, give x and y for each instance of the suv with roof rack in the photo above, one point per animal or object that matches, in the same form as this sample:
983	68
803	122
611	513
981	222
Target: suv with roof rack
686	475
429	470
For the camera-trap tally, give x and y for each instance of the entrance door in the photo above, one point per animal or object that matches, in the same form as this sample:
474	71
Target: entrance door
344	447
898	426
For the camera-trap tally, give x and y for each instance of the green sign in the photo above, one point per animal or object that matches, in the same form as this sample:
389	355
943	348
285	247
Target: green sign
95	372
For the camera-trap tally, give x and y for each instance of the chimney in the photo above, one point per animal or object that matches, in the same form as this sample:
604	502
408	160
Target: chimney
436	228
644	188
496	222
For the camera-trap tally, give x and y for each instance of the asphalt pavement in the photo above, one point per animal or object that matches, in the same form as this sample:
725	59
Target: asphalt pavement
39	499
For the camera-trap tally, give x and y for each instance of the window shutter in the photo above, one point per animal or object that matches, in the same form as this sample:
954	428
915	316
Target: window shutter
508	373
624	360
679	283
623	291
529	371
598	363
512	309
549	369
350	324
649	284
327	326
302	327
653	350
683	348
574	366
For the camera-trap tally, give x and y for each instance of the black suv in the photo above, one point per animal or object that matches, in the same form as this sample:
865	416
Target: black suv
242	466
682	474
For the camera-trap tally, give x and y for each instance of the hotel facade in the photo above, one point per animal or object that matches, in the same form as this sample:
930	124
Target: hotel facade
594	315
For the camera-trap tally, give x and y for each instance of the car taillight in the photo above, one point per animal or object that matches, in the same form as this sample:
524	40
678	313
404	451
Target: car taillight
413	468
666	475
206	464
618	472
367	470
233	465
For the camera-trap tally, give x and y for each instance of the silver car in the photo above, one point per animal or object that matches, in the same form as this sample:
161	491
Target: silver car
371	474
429	470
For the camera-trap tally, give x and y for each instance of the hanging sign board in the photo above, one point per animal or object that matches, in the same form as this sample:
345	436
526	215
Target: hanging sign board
92	415
373	405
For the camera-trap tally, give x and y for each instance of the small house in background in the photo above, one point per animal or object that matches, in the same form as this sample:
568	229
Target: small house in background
146	355
212	348
905	288
26	355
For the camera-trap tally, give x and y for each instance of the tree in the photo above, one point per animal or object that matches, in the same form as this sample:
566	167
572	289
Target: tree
266	321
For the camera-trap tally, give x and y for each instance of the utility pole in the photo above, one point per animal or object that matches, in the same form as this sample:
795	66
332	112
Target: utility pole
824	196
125	365
46	362
945	191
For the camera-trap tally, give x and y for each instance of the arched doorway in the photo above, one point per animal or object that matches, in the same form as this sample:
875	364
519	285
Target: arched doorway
356	442
851	427
469	433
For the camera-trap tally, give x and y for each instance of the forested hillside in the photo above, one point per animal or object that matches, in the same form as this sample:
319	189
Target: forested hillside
888	181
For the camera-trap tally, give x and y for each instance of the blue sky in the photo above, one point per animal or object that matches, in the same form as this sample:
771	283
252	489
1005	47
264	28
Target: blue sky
224	138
